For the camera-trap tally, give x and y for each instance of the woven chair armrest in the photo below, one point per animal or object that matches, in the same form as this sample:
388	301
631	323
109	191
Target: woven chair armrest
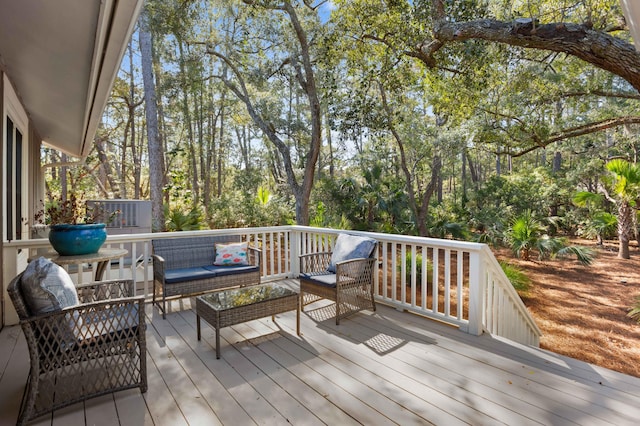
104	290
157	259
354	269
158	267
87	309
256	253
314	262
319	253
62	337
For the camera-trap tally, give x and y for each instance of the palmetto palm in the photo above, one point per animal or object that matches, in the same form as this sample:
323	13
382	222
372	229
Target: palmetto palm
601	223
627	188
527	234
524	235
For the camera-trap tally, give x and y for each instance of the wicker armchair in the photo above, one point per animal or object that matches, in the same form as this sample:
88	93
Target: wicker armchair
84	351
351	286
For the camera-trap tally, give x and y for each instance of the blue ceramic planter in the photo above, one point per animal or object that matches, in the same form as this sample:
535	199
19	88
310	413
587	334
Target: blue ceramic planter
71	240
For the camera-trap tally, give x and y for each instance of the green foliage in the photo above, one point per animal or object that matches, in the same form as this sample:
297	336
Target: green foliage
627	178
524	235
504	196
527	234
235	209
602	225
181	220
586	198
408	261
520	281
318	219
634	312
72	211
441	224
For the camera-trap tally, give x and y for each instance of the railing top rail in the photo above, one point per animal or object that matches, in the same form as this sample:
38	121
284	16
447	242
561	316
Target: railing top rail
455	244
39	242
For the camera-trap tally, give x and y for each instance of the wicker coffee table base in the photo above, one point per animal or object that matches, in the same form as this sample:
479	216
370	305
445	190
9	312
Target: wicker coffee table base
244	313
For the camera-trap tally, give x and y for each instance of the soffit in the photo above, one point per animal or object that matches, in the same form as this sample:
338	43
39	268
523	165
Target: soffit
62	57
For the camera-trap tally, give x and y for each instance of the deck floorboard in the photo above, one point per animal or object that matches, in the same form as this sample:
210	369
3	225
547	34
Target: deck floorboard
376	368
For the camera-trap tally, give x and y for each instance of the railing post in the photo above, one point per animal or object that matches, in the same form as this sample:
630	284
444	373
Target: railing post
477	283
294	248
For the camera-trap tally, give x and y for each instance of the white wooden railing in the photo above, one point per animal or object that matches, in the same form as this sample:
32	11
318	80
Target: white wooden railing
456	282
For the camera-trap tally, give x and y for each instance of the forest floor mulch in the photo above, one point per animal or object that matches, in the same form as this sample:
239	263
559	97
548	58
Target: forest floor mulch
582	311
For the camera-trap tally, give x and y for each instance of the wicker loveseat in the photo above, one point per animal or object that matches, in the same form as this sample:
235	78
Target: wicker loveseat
344	275
184	267
92	348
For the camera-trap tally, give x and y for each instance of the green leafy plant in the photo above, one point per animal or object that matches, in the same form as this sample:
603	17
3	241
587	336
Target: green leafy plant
634	313
73	211
407	261
519	280
527	235
178	220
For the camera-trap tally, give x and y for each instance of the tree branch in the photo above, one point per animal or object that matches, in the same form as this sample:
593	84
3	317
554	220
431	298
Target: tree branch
575	132
595	47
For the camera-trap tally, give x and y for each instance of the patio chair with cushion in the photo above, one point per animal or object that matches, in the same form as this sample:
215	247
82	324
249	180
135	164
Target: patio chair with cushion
82	343
344	275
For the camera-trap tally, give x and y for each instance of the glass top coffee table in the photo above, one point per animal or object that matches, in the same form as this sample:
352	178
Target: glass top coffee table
235	306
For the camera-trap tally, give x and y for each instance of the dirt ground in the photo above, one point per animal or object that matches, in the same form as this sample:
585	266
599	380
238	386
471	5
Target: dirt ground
582	311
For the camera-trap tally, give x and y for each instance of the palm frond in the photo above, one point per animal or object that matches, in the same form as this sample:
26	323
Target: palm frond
586	198
585	255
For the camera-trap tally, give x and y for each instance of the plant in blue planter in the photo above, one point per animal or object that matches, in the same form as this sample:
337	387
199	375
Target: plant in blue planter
74	228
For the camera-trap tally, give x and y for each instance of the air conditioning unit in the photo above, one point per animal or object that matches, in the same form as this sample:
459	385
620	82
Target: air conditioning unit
133	217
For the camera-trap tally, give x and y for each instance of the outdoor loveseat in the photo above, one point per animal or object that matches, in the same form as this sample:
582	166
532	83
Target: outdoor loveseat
184	267
344	275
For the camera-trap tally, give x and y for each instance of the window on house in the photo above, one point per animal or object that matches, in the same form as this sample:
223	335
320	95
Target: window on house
13	179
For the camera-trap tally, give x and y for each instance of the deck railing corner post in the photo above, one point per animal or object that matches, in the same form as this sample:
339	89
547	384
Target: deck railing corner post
477	285
294	247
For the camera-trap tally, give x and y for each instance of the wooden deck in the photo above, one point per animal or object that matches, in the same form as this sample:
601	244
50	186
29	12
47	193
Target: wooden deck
386	367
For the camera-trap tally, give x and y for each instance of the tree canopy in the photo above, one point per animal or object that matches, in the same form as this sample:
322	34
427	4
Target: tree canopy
402	116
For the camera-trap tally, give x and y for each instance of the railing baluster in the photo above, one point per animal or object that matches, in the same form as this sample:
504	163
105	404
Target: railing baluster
436	278
424	278
447	282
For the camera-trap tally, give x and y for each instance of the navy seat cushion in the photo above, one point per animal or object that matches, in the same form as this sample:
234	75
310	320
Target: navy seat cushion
221	271
178	275
325	279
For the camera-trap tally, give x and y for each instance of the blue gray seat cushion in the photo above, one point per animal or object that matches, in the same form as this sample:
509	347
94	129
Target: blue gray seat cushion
179	275
325	279
109	326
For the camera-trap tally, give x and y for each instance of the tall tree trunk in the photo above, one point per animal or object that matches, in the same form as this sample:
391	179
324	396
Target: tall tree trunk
329	145
106	166
156	154
625	224
435	181
557	162
188	122
137	168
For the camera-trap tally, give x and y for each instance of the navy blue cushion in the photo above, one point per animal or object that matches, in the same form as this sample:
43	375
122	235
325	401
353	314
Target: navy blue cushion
187	274
325	279
349	247
221	271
